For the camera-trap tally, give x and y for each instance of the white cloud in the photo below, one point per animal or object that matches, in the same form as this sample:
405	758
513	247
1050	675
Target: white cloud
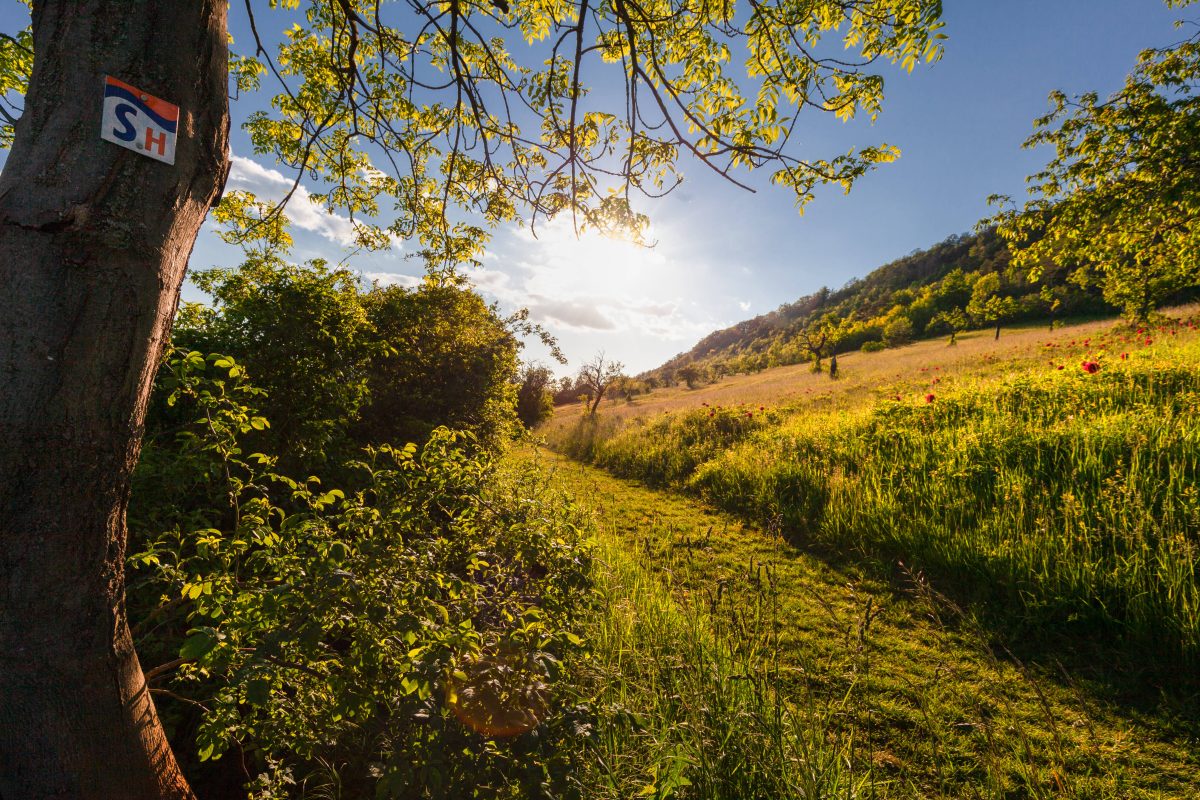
393	279
592	284
270	184
744	305
572	314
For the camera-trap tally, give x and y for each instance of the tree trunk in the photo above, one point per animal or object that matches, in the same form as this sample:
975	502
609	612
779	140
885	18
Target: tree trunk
94	242
997	331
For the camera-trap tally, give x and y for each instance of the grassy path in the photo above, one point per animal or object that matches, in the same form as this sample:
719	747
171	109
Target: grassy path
878	689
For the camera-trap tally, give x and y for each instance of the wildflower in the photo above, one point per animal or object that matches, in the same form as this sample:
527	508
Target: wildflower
1090	367
1124	356
929	398
1149	340
760	408
1060	366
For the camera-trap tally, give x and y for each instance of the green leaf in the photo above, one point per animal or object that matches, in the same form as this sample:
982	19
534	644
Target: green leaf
258	691
200	643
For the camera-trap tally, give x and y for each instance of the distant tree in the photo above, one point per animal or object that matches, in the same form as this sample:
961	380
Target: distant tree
952	322
596	376
689	374
817	342
898	332
833	367
988	306
1120	200
535	395
954	290
628	388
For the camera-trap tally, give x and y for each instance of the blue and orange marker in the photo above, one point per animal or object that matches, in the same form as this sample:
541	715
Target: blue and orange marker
139	121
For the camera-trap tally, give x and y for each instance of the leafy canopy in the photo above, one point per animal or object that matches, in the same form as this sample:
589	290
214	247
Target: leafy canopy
1120	200
460	115
436	121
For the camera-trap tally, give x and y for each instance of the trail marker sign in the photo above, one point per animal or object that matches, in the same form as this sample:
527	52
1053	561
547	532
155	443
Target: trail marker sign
141	122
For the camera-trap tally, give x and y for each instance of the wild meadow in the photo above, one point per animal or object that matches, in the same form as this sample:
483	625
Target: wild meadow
1056	487
959	583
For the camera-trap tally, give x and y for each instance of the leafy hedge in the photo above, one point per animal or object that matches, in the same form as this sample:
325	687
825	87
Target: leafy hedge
408	639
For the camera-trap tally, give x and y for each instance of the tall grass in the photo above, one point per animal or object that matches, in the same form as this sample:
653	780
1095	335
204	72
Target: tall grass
1069	497
687	710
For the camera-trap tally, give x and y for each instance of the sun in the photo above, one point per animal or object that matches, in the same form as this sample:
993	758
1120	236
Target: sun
593	264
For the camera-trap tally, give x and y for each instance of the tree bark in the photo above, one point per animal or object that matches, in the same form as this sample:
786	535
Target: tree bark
94	242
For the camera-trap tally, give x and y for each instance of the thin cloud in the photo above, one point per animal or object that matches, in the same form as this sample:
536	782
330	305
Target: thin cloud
302	210
393	279
580	316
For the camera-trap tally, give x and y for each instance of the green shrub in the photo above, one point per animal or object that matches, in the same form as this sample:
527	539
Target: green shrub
411	638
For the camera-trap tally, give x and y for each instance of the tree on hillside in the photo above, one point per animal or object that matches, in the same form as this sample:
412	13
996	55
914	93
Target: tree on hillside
595	378
817	342
952	322
1120	200
690	374
898	330
94	241
988	306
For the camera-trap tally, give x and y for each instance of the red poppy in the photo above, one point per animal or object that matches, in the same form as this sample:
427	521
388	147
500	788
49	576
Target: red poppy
1060	366
1090	367
1149	340
1124	356
929	398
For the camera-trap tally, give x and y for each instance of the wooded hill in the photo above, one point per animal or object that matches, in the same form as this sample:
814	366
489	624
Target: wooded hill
963	281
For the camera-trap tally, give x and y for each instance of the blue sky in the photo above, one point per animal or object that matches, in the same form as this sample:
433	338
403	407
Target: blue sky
724	254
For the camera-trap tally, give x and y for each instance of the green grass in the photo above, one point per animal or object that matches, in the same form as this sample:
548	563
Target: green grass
729	663
1063	502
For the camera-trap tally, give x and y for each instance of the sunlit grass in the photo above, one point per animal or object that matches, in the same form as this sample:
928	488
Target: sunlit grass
1064	497
860	373
731	659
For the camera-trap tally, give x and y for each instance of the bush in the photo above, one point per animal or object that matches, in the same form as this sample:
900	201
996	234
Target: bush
342	368
450	360
407	639
898	332
873	347
535	397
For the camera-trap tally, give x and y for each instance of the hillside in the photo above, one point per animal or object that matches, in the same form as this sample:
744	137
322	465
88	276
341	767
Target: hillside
909	298
963	571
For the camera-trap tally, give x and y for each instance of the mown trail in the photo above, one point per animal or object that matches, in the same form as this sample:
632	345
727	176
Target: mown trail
917	701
